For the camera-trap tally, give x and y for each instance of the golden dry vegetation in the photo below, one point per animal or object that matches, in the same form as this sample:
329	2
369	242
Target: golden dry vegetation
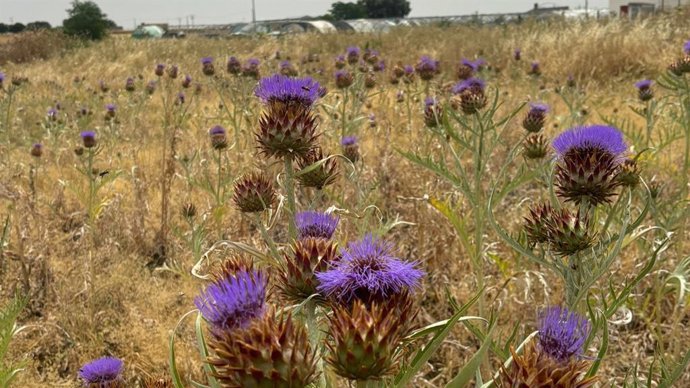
97	287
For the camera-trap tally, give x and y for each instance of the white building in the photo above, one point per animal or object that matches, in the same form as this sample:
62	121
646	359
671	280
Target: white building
630	7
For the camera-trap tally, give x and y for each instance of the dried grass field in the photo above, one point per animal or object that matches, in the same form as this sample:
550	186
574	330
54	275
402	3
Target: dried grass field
109	246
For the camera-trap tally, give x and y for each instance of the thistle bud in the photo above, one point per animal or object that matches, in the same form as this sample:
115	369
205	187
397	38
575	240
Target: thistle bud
79	151
343	79
536	224
52	114
644	90
129	85
353	55
398	71
37	150
466	69
219	138
427	68
534	121
207	66
173	71
379	66
159	70
364	340
271	352
251	69
189	210
254	193
433	112
186	81
110	111
88	138
629	174
350	148
535	147
370	56
517	54
470	94
568	232
233	66
287	69
340	62
535	69
370	81
570	82
151	87
319	176
297	280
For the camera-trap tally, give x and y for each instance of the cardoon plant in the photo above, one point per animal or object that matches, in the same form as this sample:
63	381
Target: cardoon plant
350	148
316	225
104	372
535	118
287	128
427	68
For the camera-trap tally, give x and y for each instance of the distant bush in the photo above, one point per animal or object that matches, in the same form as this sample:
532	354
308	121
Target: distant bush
32	45
86	21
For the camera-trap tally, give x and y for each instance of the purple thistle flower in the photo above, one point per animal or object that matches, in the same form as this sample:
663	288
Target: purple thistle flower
643	84
562	333
217	130
379	65
234	301
88	135
427	67
160	68
352	54
538	108
469	84
348	141
2	78
288	90
340	58
285	64
315	224
686	47
368	271
471	64
104	372
52	113
409	69
429	102
253	62
207	61
517	54
607	138
110	107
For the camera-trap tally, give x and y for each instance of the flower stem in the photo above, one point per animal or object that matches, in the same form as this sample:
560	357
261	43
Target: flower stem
290	188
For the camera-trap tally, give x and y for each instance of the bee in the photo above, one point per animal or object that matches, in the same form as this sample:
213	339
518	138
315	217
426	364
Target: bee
306	88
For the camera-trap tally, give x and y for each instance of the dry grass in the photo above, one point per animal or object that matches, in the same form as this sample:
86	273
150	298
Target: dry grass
92	292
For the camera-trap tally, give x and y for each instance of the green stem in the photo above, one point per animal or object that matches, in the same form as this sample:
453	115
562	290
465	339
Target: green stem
368	383
267	238
219	198
315	337
343	114
290	188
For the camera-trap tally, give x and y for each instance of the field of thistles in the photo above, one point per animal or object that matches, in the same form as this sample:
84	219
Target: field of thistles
501	206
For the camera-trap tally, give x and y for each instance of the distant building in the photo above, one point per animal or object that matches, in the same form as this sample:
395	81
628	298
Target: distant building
632	9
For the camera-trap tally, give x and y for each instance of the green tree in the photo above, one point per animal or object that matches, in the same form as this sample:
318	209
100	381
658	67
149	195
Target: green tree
33	26
86	21
17	27
386	8
343	11
4	28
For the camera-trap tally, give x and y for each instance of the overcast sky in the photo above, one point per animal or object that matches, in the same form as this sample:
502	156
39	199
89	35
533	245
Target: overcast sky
124	12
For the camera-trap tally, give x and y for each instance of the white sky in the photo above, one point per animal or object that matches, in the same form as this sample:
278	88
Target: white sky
124	12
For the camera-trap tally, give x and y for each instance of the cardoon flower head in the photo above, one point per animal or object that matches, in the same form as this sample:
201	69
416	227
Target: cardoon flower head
52	114
644	89
432	112
109	111
379	66
234	66
251	68
340	61
370	55
207	66
129	84
234	301
289	91
104	372
186	81
517	54
589	160
607	138
151	86
368	271
352	54
466	69
2	78
287	69
37	150
570	82
534	121
218	137
686	47
535	69
350	148
427	68
343	78
348	141
88	138
476	84
173	71
316	224
562	333
253	193
160	69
